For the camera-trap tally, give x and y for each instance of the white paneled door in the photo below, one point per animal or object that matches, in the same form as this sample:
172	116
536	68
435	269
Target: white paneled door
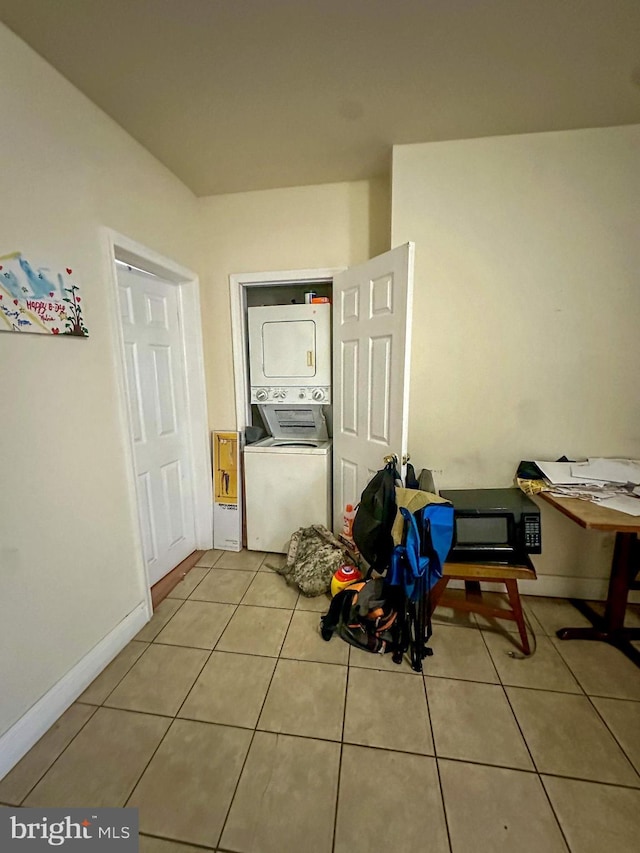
157	397
371	354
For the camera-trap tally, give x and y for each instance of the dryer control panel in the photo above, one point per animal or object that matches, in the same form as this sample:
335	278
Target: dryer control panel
298	394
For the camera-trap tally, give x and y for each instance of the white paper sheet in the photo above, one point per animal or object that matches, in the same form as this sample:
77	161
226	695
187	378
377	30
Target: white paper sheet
559	473
608	470
623	503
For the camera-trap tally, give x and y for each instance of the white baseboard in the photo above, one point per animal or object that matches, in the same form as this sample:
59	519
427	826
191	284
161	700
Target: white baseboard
558	586
28	730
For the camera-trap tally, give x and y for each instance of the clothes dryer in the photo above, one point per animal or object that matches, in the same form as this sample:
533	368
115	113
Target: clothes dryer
290	354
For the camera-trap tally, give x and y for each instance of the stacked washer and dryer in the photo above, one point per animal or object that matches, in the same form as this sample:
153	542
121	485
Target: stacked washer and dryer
288	474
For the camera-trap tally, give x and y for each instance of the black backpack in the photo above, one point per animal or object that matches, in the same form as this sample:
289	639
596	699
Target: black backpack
374	519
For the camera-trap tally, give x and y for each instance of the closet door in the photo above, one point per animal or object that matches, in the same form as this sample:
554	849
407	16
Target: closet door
371	357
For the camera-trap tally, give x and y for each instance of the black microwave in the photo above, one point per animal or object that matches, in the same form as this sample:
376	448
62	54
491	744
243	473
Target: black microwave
493	525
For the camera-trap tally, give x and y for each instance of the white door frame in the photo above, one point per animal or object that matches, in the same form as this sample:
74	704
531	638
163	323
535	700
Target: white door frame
238	283
121	248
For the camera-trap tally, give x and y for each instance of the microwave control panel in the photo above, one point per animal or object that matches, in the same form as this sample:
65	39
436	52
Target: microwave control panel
532	535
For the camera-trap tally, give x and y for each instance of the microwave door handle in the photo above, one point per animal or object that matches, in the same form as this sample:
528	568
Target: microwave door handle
512	539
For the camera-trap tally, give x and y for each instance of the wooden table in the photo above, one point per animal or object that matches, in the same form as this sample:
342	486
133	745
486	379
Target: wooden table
624	569
473	574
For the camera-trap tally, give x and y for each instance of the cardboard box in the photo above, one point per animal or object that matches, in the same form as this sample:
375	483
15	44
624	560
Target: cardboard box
227	491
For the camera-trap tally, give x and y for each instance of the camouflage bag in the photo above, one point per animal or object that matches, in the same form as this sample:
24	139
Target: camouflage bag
314	555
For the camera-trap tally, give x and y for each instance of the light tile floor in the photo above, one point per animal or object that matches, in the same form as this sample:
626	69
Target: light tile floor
233	726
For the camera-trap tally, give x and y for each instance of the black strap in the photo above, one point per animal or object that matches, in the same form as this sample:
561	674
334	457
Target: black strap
329	622
410	480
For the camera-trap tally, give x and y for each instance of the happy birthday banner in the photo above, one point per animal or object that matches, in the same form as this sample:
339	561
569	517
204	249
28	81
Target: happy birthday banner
39	299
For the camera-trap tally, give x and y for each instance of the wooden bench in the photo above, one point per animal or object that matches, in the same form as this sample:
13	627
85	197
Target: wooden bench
473	574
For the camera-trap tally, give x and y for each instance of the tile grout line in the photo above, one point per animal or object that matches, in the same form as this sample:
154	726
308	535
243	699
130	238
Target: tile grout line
349	665
574	674
209	656
162	627
537	772
101	705
522	735
253	580
218	601
635	788
173	841
557	647
344	716
144	770
253	736
531	771
533	761
615	698
501	684
435	753
236	606
612	733
583	694
208	568
169	727
35	785
488	651
526	658
175	717
190	690
553	812
96	708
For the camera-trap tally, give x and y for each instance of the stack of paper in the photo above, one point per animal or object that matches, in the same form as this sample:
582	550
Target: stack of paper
560	473
613	483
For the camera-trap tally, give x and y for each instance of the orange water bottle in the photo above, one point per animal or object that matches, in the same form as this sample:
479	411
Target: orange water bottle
343	577
347	524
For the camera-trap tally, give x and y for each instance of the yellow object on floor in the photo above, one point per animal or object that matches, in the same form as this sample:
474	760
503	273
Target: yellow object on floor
343	577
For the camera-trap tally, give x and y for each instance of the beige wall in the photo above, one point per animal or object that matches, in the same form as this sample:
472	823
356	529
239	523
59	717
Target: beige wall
68	564
332	225
527	309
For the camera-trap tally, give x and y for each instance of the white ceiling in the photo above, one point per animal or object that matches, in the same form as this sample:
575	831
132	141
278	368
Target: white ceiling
235	95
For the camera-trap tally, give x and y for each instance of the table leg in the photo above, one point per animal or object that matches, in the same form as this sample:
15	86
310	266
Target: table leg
516	606
472	589
437	593
610	627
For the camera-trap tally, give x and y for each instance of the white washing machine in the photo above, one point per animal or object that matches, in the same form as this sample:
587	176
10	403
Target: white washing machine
287	477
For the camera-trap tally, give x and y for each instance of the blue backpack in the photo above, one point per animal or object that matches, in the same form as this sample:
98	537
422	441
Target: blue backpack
415	568
416	565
